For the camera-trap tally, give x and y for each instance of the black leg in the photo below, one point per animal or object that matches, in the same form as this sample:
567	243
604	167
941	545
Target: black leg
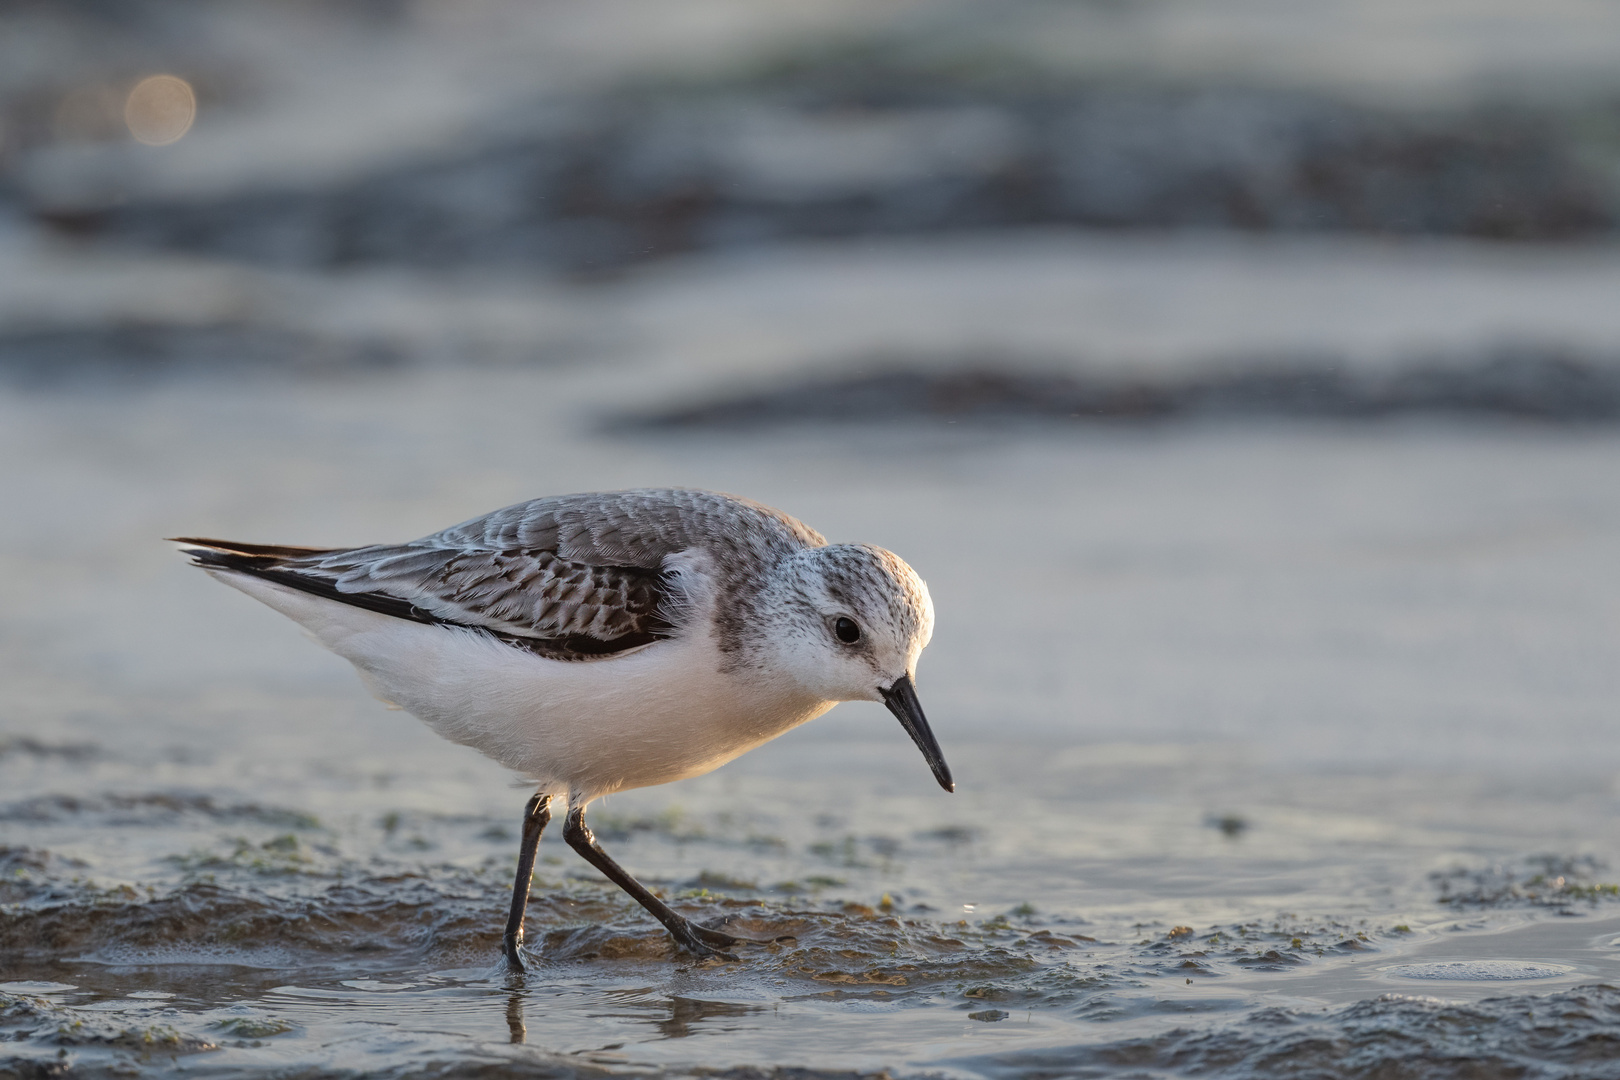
535	817
698	940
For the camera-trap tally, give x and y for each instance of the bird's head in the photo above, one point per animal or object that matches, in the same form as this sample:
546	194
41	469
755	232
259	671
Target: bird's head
852	620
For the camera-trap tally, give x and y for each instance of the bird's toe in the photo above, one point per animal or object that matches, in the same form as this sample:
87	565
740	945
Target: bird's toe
702	942
703	951
716	938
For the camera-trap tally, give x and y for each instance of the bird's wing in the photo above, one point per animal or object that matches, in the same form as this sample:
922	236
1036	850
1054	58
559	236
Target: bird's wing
571	576
523	593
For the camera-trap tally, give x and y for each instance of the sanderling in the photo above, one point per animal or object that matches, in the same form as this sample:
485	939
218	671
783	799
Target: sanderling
600	642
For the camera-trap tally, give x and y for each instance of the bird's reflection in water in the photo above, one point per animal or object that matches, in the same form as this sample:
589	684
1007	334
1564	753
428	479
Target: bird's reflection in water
686	1013
514	1017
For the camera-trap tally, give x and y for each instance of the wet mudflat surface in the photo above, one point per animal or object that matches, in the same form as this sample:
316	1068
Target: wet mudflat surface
1244	385
1115	923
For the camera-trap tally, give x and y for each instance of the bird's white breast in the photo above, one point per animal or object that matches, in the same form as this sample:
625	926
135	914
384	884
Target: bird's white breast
583	729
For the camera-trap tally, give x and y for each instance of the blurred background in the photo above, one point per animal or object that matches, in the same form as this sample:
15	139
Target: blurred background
1244	378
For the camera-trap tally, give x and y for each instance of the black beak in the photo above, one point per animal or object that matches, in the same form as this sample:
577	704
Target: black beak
901	698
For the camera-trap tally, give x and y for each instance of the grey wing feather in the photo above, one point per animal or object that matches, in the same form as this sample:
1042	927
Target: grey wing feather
528	594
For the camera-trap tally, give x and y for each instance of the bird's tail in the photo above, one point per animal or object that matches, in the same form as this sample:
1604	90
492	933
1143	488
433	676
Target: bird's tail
231	555
294	568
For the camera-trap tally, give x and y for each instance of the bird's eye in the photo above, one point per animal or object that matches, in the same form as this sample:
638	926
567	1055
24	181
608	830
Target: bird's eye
846	630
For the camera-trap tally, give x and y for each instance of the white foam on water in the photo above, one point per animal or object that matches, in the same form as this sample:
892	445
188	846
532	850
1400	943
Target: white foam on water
1479	970
188	956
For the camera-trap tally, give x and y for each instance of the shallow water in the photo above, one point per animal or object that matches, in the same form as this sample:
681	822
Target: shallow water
1279	748
1074	913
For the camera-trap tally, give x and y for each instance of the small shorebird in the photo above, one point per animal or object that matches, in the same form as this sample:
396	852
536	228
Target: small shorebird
601	642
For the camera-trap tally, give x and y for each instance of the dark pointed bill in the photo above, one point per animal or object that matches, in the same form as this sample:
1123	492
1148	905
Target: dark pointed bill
901	698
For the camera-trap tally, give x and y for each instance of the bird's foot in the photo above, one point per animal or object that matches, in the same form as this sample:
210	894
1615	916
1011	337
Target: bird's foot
512	952
717	938
722	939
702	942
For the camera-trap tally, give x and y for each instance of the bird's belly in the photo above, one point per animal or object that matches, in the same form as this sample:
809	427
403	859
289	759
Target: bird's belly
584	728
661	714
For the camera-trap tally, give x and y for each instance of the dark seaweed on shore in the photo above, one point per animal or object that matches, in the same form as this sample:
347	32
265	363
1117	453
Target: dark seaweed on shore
1524	383
858	148
123	354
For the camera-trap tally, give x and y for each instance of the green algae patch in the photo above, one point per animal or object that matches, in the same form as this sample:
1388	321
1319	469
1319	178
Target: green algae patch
672	823
1553	881
42	1021
283	854
715	879
255	1027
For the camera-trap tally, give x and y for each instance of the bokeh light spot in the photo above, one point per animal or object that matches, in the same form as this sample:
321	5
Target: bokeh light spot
160	109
